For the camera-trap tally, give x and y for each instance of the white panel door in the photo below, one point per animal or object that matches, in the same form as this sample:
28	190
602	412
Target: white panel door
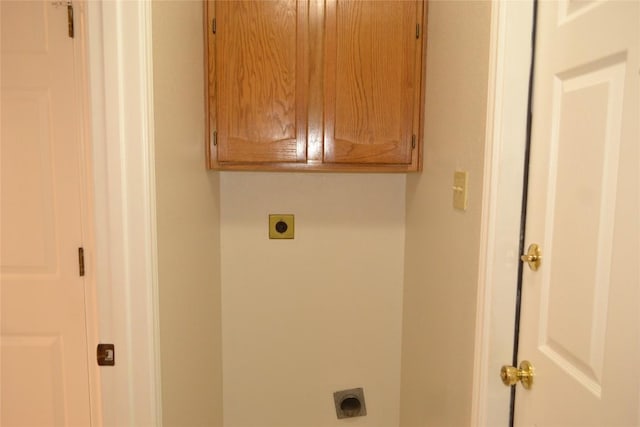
580	326
43	347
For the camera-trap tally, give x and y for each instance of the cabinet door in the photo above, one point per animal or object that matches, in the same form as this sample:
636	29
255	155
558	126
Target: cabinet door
257	81
373	54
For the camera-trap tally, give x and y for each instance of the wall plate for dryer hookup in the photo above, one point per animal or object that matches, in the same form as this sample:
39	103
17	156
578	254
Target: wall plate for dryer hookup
281	226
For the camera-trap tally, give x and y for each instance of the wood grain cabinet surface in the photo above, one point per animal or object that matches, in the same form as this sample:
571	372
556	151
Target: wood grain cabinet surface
318	85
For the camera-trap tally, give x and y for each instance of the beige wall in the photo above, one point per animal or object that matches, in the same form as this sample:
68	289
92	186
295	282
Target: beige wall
442	244
306	317
188	217
303	318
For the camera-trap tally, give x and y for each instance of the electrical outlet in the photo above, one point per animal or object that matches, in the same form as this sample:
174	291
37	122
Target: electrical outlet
281	226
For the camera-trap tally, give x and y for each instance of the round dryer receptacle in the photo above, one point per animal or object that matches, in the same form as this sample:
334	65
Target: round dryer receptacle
351	406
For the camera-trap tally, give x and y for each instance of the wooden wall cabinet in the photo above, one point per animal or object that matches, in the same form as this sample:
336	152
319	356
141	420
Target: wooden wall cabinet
319	85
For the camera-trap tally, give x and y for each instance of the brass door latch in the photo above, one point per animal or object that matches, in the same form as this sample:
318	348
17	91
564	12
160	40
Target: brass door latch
533	257
511	375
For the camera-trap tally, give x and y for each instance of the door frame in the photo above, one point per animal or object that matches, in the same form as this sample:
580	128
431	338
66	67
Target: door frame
120	78
505	140
121	131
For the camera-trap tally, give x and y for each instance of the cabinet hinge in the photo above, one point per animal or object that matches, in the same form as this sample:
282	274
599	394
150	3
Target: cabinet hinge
417	31
81	261
413	141
213	25
70	19
215	138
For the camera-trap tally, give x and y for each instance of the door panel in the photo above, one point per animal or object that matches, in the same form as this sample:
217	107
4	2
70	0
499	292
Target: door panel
20	38
44	362
579	324
27	183
32	369
576	280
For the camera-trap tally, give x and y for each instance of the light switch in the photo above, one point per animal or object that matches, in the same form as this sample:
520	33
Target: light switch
460	181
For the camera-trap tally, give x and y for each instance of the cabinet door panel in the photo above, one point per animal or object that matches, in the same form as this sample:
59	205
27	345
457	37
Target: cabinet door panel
372	81
258	59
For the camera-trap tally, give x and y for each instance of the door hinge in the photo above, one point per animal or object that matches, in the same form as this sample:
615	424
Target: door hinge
70	19
215	138
417	31
81	261
213	25
413	141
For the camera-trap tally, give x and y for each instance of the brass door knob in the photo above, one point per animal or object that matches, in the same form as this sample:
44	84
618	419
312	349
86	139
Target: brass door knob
533	257
511	375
